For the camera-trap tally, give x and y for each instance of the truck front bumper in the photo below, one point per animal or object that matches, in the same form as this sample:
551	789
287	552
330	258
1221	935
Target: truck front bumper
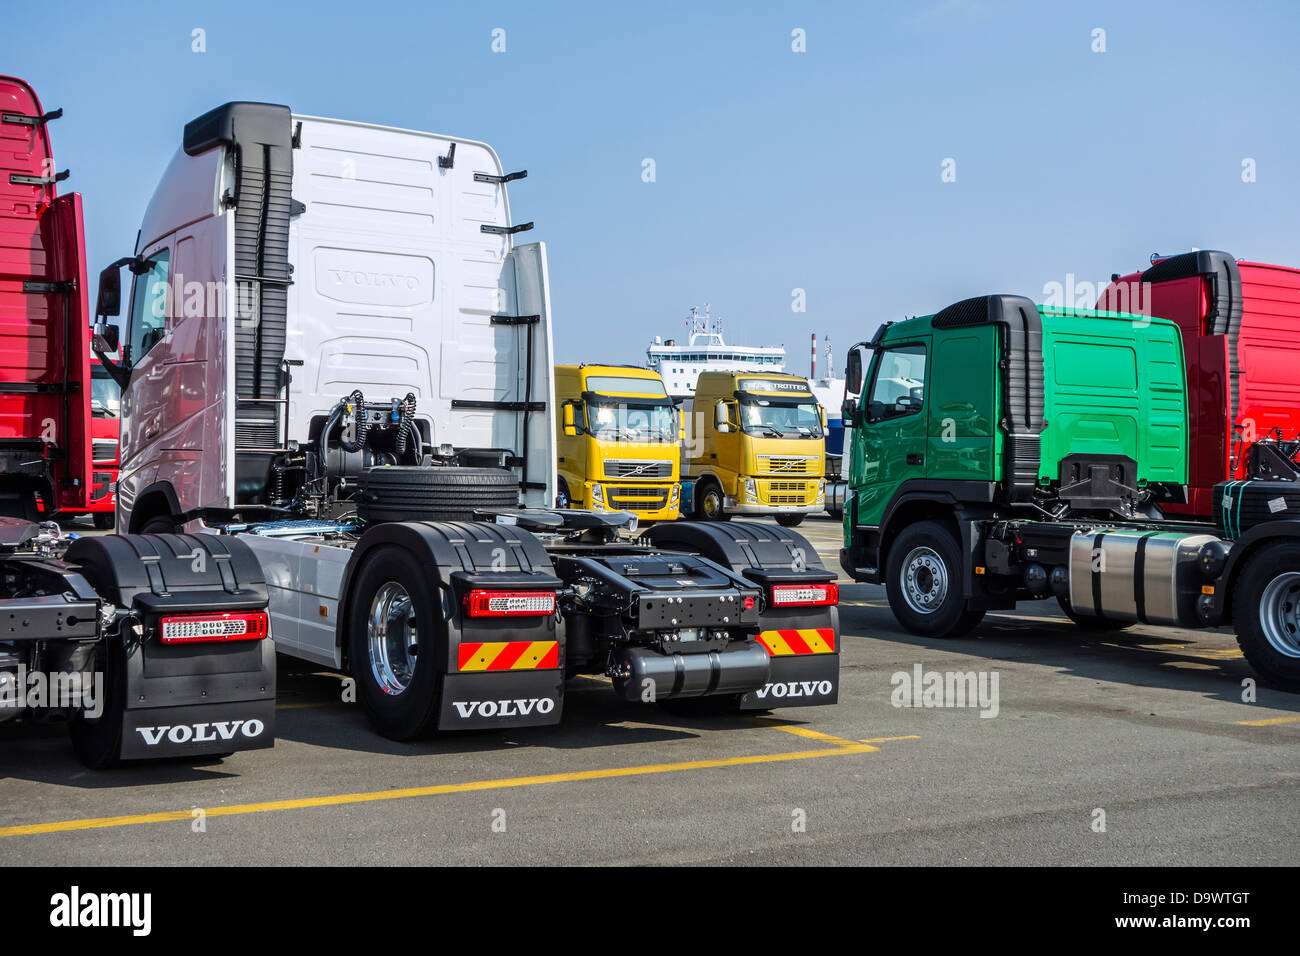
649	501
748	508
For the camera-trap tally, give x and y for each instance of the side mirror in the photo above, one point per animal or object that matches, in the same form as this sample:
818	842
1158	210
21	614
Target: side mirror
853	373
105	339
681	424
109	299
720	419
849	412
822	409
570	426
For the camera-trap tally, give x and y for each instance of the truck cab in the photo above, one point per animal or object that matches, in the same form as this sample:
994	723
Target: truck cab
619	441
1003	407
755	446
1240	324
45	429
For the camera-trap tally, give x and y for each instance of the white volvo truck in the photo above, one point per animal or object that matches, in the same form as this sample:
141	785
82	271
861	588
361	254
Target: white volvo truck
336	352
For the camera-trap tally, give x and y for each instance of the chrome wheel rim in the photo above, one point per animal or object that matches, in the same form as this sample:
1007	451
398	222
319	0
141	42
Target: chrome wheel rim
712	504
391	635
1279	614
925	580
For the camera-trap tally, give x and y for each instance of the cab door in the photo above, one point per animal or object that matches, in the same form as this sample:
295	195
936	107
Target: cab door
892	444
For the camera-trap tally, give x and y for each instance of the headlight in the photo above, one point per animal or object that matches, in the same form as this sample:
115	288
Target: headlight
676	495
821	490
751	489
597	496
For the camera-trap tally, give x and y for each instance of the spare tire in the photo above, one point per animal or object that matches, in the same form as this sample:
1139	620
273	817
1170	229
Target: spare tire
433	493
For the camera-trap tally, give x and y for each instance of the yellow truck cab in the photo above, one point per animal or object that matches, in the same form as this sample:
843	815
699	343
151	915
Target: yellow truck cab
755	446
619	441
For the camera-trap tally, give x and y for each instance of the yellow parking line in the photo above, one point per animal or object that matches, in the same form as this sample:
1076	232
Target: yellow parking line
881	740
779	724
1272	721
842	748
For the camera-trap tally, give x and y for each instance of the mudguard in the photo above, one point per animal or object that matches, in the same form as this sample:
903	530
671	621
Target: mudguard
182	700
497	672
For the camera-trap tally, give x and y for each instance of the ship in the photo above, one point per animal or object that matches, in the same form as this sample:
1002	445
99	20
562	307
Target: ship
706	351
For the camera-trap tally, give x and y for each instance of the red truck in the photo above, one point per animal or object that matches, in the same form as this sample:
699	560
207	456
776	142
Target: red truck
45	420
1240	323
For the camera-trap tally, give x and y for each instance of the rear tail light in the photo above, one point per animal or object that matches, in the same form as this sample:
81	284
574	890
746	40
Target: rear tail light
192	628
510	603
805	595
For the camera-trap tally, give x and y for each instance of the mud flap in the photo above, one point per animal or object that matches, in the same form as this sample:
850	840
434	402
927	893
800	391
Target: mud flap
198	730
482	701
797	680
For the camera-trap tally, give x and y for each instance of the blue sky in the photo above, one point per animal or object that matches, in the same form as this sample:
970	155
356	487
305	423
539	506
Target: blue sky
775	170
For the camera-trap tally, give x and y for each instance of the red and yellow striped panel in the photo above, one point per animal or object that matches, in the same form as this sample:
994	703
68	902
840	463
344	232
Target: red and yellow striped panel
805	640
509	656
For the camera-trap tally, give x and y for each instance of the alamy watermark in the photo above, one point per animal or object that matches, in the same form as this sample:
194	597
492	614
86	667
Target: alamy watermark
959	689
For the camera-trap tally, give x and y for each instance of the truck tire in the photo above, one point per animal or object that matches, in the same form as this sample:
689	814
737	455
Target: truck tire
709	503
159	524
98	742
1266	612
789	521
562	497
435	493
1090	622
923	582
393	646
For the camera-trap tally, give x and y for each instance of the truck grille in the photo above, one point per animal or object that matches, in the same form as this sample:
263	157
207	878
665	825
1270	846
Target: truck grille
789	492
103	449
637	499
631	468
786	466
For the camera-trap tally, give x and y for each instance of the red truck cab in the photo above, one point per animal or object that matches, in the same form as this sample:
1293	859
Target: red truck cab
45	421
1240	323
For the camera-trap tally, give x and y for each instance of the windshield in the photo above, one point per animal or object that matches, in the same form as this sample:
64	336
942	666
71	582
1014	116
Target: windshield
105	396
781	420
631	422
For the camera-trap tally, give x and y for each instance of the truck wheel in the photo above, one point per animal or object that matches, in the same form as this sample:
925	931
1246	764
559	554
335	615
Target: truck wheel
98	742
392	627
562	498
923	582
159	524
709	506
1266	611
433	493
789	521
1090	621
104	521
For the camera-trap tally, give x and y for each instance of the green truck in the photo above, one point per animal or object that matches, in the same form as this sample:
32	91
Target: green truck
1003	452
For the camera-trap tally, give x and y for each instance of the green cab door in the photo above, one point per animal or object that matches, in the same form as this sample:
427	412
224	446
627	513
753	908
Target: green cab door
891	441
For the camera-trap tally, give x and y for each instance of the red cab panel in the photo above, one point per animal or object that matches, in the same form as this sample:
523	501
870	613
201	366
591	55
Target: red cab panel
45	428
1241	338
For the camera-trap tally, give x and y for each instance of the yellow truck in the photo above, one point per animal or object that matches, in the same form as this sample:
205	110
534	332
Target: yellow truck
754	446
619	441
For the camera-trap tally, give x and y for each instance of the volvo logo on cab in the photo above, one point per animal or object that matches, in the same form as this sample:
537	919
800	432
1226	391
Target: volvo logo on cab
374	279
